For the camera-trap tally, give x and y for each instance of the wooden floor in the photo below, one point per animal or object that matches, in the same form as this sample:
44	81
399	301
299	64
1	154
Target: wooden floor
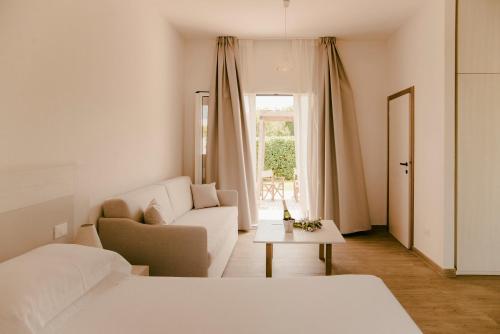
437	304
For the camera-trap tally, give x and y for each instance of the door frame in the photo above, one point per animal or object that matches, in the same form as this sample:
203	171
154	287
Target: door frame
411	163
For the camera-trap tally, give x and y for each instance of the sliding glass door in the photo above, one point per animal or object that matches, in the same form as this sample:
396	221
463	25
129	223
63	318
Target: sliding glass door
277	126
277	177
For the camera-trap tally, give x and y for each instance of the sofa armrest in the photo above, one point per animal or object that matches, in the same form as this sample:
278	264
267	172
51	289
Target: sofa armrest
169	250
228	197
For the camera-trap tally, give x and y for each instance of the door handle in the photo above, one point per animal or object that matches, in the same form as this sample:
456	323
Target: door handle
404	164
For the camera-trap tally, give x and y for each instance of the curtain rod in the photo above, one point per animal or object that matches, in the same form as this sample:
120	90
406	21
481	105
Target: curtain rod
274	94
277	38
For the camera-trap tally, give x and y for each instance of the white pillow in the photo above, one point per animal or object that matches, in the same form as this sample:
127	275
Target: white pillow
37	286
204	195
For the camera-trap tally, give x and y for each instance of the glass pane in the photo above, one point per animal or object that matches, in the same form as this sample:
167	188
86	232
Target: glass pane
204	123
204	136
274	102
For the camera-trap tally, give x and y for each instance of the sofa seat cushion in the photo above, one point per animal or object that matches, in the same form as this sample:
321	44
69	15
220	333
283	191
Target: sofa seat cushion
218	222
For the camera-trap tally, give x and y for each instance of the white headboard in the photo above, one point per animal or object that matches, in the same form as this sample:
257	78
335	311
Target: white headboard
32	202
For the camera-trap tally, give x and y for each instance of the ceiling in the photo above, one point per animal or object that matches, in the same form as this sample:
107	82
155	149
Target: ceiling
356	19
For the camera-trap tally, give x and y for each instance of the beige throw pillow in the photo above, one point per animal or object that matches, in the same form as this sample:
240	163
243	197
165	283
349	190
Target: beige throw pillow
204	196
153	215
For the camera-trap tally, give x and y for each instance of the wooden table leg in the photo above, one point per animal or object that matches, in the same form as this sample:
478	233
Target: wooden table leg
322	252
269	260
328	260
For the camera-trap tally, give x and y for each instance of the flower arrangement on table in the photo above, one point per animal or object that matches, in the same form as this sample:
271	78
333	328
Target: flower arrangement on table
309	225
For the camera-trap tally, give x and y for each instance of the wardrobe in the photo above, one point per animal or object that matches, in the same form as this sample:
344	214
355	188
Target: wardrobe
478	137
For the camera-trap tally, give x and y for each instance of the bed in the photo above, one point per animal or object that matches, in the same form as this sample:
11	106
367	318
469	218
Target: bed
77	289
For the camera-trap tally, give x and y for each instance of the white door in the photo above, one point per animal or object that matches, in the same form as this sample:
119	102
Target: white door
400	169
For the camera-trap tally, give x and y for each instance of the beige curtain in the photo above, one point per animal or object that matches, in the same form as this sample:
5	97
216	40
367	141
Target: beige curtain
229	161
337	185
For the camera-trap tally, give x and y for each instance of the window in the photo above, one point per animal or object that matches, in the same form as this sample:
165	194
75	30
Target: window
200	135
204	136
275	103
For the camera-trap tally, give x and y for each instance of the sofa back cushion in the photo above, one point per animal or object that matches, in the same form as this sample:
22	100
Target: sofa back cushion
139	199
179	192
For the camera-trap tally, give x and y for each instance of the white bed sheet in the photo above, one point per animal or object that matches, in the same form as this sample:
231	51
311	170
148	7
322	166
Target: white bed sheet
150	305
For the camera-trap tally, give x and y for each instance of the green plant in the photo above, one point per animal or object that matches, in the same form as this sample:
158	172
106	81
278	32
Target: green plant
280	156
278	129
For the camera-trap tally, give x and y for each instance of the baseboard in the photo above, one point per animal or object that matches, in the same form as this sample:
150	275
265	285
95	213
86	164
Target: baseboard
478	273
434	265
379	227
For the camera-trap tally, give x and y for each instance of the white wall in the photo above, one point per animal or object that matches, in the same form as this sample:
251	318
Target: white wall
421	55
96	85
365	63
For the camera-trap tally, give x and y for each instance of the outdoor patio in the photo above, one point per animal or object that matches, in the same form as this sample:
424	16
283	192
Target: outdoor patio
273	210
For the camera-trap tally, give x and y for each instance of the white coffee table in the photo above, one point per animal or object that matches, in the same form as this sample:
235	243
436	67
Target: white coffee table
273	232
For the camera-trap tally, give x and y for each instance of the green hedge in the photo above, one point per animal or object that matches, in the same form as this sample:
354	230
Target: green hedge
280	156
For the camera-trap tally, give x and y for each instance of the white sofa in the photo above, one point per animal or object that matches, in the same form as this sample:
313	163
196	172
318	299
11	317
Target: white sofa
196	242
